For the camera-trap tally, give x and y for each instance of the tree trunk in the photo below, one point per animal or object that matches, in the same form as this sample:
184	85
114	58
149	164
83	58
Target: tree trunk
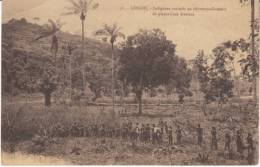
124	94
47	97
253	46
83	51
113	86
70	92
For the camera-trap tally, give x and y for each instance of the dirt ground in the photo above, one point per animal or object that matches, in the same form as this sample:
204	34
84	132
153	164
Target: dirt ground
112	151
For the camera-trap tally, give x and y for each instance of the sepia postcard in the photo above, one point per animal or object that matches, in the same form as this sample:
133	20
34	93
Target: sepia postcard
130	82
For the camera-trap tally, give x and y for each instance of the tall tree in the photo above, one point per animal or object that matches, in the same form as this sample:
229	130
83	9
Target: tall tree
184	75
215	79
112	32
202	74
253	57
146	60
81	8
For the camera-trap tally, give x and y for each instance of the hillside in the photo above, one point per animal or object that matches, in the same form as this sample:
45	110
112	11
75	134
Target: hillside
23	32
18	39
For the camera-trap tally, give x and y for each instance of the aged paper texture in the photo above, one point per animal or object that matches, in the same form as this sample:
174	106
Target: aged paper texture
130	82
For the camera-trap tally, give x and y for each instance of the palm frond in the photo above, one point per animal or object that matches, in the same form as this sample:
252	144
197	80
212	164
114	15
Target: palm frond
82	4
70	13
45	35
53	24
112	31
73	10
75	4
59	23
109	29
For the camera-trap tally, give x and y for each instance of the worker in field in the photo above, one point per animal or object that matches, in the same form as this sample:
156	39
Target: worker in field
81	130
147	133
117	131
161	124
166	127
214	140
136	132
95	130
74	129
130	130
250	149
142	134
153	134
133	133
227	141
124	131
239	142
158	135
178	134
169	132
200	135
102	130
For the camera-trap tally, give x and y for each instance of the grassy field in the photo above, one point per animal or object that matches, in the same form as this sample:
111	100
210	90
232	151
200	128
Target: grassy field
29	120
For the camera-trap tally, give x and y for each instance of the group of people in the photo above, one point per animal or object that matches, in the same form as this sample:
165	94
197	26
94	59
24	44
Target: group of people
154	134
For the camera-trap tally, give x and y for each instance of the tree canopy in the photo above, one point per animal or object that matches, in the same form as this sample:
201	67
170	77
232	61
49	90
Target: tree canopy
148	60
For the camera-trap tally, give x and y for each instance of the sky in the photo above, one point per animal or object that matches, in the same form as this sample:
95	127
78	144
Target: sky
204	31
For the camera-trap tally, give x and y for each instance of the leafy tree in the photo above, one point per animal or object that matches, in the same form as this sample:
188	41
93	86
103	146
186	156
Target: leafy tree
220	75
249	64
146	61
215	80
112	32
180	79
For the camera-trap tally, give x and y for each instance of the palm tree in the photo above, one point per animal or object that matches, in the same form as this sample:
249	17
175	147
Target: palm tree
81	8
51	31
112	32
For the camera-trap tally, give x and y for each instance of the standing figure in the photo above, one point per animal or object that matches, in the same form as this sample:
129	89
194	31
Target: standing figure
250	149
158	135
178	134
137	132
142	133
227	141
166	127
214	140
200	135
148	133
161	124
239	142
153	134
169	132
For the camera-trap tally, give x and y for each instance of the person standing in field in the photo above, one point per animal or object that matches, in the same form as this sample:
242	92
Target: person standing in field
227	141
178	134
200	135
148	133
250	149
153	134
214	140
239	142
169	132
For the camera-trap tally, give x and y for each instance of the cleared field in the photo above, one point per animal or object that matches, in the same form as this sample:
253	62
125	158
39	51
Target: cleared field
93	150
